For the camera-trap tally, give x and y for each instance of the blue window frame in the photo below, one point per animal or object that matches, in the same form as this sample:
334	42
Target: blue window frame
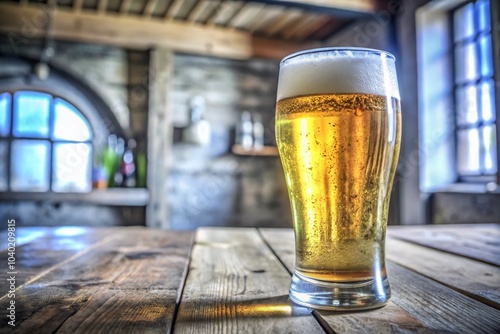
45	144
474	90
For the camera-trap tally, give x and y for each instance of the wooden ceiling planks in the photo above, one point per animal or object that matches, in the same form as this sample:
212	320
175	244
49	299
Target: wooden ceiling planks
249	17
268	22
267	18
150	8
283	22
310	27
102	7
125	6
199	8
77	5
225	12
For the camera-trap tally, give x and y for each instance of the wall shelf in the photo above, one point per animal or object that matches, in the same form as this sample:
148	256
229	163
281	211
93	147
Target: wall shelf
267	151
111	197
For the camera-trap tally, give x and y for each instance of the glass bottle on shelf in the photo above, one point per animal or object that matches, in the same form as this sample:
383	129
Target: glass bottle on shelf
128	169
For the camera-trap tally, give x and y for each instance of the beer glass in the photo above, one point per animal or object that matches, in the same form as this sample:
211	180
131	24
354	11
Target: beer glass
338	129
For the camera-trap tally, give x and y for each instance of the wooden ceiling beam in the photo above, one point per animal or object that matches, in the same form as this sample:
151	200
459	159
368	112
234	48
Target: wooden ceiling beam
347	7
77	5
125	6
224	12
102	6
149	8
138	33
283	21
174	9
310	29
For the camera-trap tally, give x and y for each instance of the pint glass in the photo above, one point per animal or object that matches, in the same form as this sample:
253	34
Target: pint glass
338	129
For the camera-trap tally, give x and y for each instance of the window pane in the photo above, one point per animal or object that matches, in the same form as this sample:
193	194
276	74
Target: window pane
489	145
5	101
72	167
487	107
30	165
483	15
466	68
463	21
69	123
31	114
468	152
3	164
467	105
485	52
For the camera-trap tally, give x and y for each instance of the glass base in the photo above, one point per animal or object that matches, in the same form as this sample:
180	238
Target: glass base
346	296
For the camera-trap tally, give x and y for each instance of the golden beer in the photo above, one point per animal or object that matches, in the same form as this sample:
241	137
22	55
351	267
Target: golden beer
339	154
338	130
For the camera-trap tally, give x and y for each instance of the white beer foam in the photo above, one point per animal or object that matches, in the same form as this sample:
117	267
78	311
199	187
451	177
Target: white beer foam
361	71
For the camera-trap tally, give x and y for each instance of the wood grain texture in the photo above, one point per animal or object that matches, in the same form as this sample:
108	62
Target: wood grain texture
237	285
135	32
128	284
478	280
45	249
282	242
389	319
480	242
160	136
438	307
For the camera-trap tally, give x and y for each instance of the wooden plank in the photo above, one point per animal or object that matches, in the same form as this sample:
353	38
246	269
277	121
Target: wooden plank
23	235
125	6
252	15
313	26
77	5
137	33
480	242
241	16
224	13
203	10
236	285
198	9
173	10
159	137
277	49
438	307
44	253
129	284
282	242
361	6
269	14
298	26
149	8
288	17
102	6
478	280
390	318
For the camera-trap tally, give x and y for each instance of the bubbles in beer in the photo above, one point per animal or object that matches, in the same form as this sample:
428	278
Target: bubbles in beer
339	153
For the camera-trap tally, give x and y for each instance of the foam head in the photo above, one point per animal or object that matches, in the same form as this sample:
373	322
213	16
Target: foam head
338	71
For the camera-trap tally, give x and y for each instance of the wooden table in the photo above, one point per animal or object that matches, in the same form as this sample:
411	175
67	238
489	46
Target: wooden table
445	279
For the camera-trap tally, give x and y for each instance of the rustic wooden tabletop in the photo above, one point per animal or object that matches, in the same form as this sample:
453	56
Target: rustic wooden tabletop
444	279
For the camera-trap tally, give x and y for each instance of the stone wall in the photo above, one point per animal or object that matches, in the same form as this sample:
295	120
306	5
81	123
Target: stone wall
207	185
105	71
210	185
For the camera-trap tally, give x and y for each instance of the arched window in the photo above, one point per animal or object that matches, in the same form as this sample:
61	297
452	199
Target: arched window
45	144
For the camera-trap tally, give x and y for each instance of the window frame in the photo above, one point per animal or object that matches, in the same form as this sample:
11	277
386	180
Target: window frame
51	122
481	177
